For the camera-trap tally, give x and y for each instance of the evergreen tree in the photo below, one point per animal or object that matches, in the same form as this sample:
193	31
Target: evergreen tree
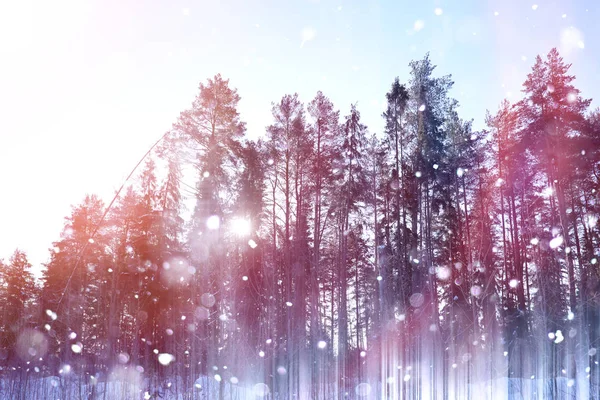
73	295
325	134
211	131
398	142
290	147
351	192
16	294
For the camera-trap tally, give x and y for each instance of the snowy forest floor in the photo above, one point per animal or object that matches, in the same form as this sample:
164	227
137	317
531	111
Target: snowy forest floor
130	385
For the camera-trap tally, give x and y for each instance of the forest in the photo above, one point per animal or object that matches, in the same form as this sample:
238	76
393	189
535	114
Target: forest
326	261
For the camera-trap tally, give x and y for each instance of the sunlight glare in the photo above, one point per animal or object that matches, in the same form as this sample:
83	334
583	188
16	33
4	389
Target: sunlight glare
241	226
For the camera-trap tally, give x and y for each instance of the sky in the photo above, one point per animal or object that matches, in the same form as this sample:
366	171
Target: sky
86	87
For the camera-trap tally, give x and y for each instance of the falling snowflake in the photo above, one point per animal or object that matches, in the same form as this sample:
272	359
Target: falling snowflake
571	39
559	337
416	300
165	358
208	300
51	314
418	25
308	34
556	242
476	290
123	358
65	369
443	273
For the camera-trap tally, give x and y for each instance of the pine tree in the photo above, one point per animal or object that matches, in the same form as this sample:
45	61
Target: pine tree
128	282
514	179
428	107
16	293
211	131
73	295
324	131
352	187
249	278
289	147
398	142
552	111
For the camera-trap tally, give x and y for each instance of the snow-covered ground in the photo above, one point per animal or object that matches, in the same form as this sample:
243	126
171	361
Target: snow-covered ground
131	386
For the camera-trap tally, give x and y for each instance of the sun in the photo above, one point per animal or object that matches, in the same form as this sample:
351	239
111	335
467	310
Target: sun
240	226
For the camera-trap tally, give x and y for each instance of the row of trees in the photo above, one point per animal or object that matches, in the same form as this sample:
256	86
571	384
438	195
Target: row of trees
323	261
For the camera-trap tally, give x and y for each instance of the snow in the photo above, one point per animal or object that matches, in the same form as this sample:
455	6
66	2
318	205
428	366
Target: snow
556	242
165	358
418	25
76	347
